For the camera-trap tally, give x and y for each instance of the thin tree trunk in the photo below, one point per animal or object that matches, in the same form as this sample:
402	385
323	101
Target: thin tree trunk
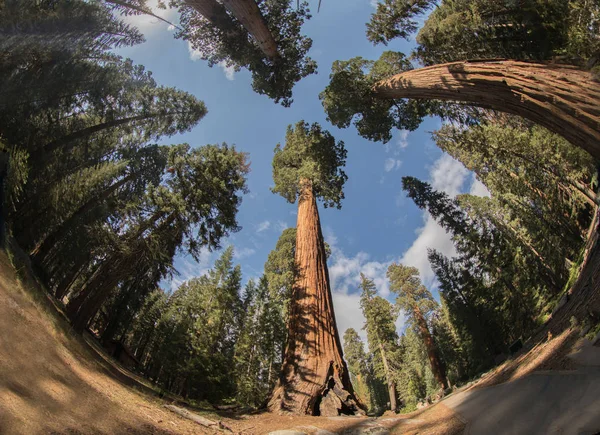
314	378
83	133
248	13
61	231
388	376
437	367
562	98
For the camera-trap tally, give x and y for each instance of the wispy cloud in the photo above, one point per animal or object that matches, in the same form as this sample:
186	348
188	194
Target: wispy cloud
344	274
281	226
194	54
374	3
392	164
263	226
478	188
400	144
148	24
240	253
187	268
229	71
447	175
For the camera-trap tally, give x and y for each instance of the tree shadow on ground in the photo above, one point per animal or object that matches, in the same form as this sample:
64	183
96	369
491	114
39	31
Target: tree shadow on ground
51	381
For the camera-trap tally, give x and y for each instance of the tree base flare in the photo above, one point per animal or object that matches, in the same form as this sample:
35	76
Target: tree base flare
331	400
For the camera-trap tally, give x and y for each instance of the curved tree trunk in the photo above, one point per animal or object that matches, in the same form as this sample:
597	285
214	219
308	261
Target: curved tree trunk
314	378
248	13
562	98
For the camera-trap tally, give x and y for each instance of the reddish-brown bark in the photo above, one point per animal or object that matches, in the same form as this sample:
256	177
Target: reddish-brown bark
314	378
247	13
244	11
562	98
437	368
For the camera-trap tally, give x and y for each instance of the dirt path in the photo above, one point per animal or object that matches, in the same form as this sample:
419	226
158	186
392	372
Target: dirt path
547	402
53	382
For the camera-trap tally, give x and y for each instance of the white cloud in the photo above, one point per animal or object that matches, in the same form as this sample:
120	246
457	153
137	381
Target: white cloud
189	268
194	54
391	164
240	253
430	235
403	139
281	226
348	313
263	226
447	175
400	145
478	188
229	71
148	24
344	275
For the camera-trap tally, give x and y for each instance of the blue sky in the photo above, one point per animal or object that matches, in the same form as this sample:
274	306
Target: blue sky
377	223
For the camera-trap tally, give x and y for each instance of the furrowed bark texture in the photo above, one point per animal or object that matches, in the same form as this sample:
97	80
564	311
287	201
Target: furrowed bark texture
248	13
314	378
562	98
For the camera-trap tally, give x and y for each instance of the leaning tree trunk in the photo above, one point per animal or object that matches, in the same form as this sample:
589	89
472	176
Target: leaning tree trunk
314	378
562	98
213	11
248	13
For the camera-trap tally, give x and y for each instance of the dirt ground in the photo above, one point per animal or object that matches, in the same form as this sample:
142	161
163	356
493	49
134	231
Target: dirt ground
53	382
549	347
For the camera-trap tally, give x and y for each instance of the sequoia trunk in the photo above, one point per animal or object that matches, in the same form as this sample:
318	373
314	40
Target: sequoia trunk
562	98
437	368
248	13
314	378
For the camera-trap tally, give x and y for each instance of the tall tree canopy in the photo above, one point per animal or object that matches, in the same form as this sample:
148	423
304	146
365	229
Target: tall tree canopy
311	158
533	30
218	37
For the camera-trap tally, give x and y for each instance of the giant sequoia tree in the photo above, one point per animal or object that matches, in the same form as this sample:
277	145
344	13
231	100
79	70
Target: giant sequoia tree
263	37
562	98
314	378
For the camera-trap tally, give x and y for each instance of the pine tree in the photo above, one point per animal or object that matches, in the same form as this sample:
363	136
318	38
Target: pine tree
381	334
418	304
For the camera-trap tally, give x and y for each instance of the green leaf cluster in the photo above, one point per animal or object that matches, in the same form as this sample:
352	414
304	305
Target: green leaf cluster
311	158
